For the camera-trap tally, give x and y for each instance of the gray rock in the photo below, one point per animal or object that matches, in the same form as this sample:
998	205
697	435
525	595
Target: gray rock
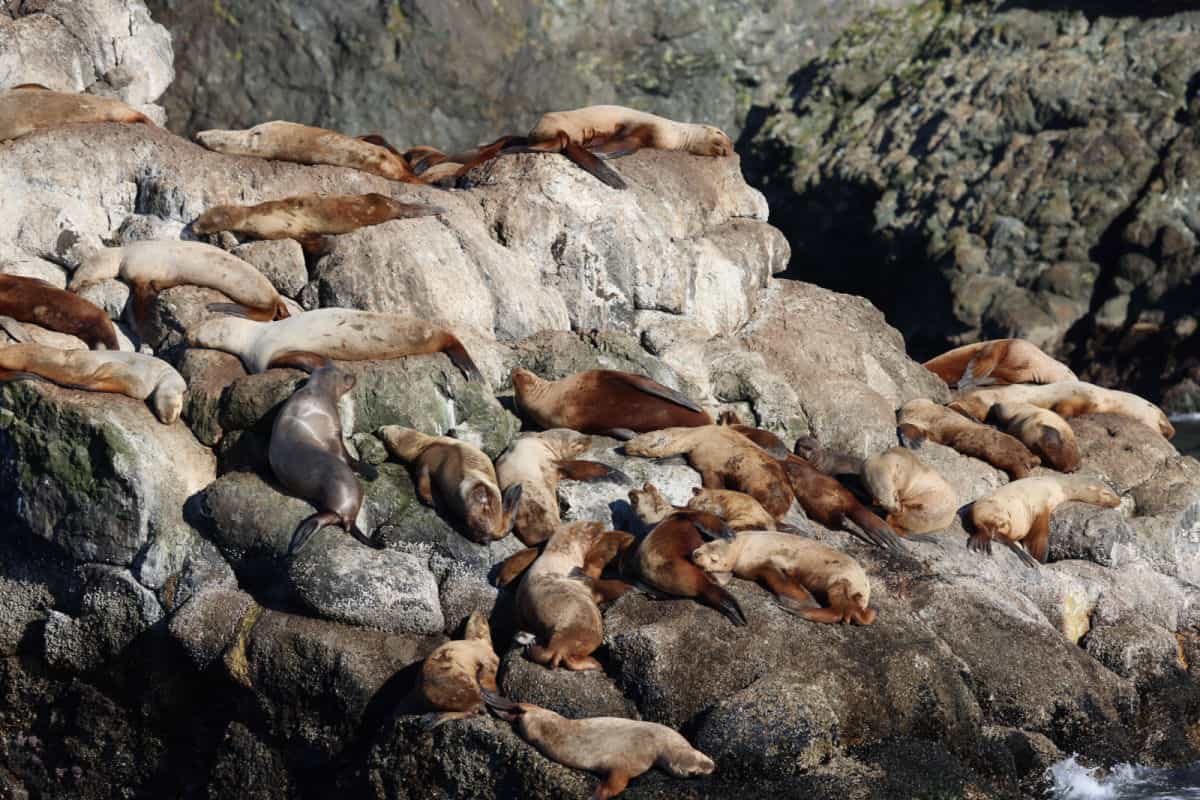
573	694
282	261
207	624
1141	653
115	610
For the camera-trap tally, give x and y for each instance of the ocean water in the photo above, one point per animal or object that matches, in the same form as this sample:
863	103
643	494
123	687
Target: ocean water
1187	434
1073	781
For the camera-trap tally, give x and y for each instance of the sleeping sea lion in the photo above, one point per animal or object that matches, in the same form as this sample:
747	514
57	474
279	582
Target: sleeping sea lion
738	510
617	749
916	497
923	419
305	340
131	374
455	675
604	401
998	361
457	478
827	462
310	460
31	107
1018	513
13	332
1039	429
1067	399
35	301
793	567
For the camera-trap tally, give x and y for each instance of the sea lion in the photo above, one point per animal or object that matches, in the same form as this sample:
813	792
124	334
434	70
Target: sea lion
998	361
134	375
1018	513
305	144
536	462
617	749
444	169
916	497
923	419
793	567
827	462
725	459
662	560
456	478
31	107
604	401
740	511
1039	429
35	301
454	676
310	460
13	332
558	609
1067	399
305	340
309	218
152	266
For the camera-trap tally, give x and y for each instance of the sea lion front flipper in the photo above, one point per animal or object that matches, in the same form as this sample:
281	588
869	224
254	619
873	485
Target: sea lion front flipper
299	359
624	144
460	358
368	471
515	565
621	434
613	784
718	597
792	596
1021	553
510	500
144	295
1037	541
425	485
310	526
362	538
503	708
982	543
874	530
581	470
644	384
593	165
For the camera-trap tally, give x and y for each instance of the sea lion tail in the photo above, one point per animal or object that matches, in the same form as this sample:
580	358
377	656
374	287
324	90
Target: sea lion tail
874	530
460	358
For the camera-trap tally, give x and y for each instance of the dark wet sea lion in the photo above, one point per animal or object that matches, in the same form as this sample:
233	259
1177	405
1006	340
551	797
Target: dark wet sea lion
35	301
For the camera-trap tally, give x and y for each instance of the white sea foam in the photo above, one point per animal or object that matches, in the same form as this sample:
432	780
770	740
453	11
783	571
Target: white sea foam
1073	781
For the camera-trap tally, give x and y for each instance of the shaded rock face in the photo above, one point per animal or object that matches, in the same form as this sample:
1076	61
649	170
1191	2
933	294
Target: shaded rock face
954	165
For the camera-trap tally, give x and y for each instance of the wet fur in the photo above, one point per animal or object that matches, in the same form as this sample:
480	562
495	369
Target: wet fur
37	302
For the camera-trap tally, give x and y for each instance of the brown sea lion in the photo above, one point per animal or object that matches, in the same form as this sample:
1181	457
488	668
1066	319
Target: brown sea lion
998	361
309	218
305	340
310	460
1039	429
536	462
916	497
793	567
35	301
604	401
131	374
1018	513
725	459
304	144
740	511
923	419
457	478
617	749
825	461
1067	399
455	675
444	169
31	107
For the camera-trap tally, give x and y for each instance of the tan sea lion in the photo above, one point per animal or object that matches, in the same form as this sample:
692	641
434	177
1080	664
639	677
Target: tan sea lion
304	144
31	107
455	675
131	374
1067	399
1018	513
536	462
152	266
916	497
617	749
309	218
1039	429
998	361
740	511
725	459
341	334
310	460
793	567
604	401
558	608
923	419
457	478
35	301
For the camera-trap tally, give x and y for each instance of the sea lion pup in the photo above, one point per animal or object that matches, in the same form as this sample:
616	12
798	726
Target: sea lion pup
725	459
304	144
35	301
455	675
536	462
31	107
793	568
557	608
916	497
997	361
1018	513
309	218
134	375
152	266
456	478
617	749
1039	429
923	419
604	401
305	340
1067	399
310	460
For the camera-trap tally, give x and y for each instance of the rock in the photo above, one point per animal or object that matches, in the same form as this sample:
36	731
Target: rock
115	610
282	261
1141	653
1099	535
207	624
208	374
248	767
572	694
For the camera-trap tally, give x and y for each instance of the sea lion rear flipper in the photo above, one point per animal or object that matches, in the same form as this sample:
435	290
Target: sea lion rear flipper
515	565
581	470
874	530
650	591
424	484
1037	541
244	312
503	708
299	359
378	141
460	358
310	526
975	373
613	784
627	143
621	434
644	384
593	165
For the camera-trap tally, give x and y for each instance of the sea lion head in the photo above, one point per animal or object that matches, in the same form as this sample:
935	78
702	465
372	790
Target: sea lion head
712	142
333	379
216	219
167	398
649	504
484	512
993	520
716	557
691	762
